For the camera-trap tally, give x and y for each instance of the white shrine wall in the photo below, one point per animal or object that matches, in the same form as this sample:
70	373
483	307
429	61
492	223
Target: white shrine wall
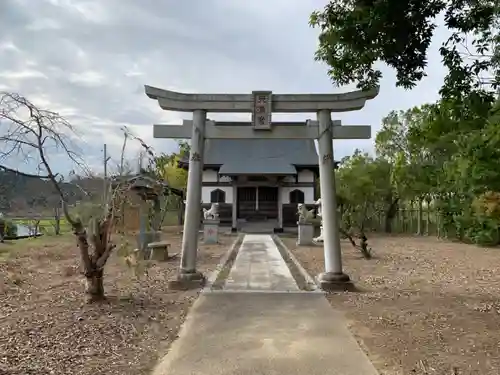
210	175
284	193
207	190
305	176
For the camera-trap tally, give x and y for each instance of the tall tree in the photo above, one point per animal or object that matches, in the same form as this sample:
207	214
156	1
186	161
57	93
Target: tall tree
364	190
166	167
413	170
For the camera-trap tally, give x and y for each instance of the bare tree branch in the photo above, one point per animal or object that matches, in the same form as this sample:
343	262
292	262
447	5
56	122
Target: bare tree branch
29	134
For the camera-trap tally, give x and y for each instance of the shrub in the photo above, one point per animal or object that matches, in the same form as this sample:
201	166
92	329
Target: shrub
10	228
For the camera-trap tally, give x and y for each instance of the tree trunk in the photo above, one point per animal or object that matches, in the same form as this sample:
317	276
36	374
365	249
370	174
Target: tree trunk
180	213
390	214
95	286
57	221
411	217
419	217
36	227
3	230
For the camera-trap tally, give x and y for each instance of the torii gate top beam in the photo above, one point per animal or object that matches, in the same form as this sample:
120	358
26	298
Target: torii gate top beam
244	103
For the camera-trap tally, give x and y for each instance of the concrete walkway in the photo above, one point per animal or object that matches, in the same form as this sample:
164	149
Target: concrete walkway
259	266
263	333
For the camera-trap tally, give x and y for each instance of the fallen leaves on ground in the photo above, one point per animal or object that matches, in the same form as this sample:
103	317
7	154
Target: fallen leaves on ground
426	306
45	328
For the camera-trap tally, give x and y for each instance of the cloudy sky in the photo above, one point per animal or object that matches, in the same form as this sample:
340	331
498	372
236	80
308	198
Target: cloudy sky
90	59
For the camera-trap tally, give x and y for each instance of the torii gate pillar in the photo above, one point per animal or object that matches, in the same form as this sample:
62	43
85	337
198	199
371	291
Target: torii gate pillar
333	277
261	104
188	273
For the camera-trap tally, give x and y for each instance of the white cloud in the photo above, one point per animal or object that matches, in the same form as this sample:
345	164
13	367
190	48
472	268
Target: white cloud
8	47
89	60
44	24
88	78
21	74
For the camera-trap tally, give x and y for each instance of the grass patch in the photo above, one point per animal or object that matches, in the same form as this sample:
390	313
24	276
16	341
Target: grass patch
47	226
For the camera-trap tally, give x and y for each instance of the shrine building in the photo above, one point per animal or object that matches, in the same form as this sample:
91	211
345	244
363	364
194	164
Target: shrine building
259	180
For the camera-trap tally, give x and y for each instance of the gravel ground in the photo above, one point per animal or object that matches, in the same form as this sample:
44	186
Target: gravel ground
45	328
427	306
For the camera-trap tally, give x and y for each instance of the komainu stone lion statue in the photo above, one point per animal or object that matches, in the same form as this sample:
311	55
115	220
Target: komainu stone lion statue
212	213
319	239
305	216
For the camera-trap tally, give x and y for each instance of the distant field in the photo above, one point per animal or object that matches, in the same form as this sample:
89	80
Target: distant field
47	224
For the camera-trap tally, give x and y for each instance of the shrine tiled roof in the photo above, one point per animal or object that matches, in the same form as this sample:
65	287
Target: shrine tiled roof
270	166
260	151
254	156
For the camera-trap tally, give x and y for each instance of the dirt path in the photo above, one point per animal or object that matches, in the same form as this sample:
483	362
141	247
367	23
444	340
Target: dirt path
45	328
428	305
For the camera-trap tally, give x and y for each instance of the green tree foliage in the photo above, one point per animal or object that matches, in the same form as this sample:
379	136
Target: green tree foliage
431	154
444	153
363	185
166	167
356	34
8	229
469	148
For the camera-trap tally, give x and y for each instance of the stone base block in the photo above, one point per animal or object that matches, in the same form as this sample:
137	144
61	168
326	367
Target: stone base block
306	234
187	280
211	232
335	282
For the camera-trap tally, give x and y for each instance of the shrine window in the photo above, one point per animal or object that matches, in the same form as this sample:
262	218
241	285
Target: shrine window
217	196
297	196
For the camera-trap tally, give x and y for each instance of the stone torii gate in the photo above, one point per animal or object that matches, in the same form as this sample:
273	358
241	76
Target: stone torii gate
261	104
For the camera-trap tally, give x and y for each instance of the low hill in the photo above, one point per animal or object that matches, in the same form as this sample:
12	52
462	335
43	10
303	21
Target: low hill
20	194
